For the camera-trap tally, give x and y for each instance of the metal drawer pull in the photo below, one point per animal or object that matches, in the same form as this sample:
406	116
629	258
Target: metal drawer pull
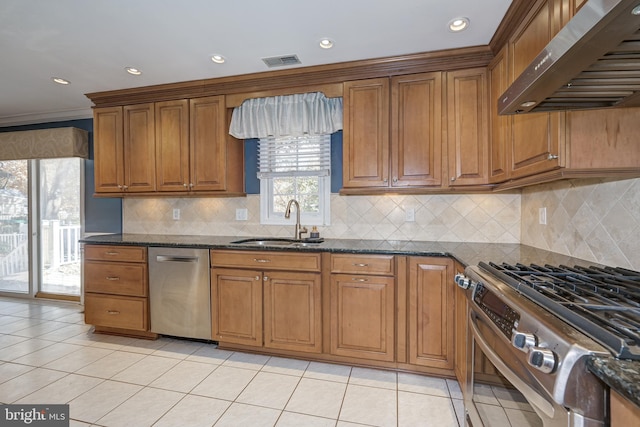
356	279
112	253
261	260
112	312
112	278
361	265
176	258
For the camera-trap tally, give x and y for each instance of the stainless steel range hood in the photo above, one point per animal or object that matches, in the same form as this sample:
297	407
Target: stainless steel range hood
593	62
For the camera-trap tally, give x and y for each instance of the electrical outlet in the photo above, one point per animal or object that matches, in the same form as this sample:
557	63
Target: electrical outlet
241	214
410	215
176	214
542	216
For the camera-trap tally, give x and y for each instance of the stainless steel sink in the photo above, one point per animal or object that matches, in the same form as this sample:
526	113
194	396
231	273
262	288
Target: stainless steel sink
265	241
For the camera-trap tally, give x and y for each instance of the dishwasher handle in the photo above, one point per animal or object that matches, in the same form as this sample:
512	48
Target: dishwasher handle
176	258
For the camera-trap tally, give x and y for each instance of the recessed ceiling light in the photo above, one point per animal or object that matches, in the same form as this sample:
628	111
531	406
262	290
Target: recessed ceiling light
133	71
326	43
458	24
218	59
60	81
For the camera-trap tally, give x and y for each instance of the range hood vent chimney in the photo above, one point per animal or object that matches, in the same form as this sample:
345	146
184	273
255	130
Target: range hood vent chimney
593	62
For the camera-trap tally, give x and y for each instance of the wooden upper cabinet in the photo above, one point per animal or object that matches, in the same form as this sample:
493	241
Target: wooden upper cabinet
108	149
139	148
416	130
467	127
172	145
366	133
499	126
208	145
191	144
537	139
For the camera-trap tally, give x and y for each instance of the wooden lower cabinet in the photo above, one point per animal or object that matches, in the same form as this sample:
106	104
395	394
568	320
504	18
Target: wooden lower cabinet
115	311
431	312
293	311
462	341
623	412
362	316
236	306
116	289
267	308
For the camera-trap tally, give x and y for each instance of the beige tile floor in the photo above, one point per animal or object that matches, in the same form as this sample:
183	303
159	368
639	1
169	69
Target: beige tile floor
48	355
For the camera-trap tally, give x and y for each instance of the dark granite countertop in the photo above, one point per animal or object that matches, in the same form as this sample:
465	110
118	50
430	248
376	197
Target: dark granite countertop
621	375
465	253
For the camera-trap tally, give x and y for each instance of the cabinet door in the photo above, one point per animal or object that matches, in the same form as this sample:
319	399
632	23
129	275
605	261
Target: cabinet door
207	144
431	312
467	130
293	311
362	317
236	306
366	133
416	130
108	150
139	148
172	145
499	126
538	138
462	344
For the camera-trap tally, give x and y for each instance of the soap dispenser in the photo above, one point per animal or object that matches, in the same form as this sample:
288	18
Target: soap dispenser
315	234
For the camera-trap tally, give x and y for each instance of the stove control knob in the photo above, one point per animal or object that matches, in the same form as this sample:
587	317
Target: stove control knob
543	359
463	281
523	341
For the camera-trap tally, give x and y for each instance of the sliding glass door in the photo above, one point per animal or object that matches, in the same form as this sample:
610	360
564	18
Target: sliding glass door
60	226
14	226
48	263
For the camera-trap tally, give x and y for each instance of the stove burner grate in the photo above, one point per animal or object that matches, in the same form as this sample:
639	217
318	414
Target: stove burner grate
602	302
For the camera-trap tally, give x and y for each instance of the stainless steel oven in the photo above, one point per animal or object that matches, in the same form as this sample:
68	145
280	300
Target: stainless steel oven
526	360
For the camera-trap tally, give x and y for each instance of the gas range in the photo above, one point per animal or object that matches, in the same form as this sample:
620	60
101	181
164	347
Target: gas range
538	324
601	302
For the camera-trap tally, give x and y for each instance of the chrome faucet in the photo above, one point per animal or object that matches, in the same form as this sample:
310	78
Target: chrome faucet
299	230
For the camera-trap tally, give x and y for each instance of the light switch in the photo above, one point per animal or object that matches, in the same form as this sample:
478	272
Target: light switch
176	214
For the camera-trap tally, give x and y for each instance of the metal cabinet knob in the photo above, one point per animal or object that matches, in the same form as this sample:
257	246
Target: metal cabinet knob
453	178
552	157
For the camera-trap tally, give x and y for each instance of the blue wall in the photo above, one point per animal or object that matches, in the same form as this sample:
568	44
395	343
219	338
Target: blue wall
252	183
101	215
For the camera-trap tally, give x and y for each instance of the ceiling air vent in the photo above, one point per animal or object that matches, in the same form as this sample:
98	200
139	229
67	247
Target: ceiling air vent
280	61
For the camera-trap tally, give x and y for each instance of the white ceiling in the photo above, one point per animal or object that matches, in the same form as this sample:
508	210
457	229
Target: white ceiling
90	42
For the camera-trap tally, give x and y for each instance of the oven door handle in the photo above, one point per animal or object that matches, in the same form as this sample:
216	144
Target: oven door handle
532	396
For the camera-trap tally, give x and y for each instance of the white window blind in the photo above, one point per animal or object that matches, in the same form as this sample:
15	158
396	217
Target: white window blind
308	155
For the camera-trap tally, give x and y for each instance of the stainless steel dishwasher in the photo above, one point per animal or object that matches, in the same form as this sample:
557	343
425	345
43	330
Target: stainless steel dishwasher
179	295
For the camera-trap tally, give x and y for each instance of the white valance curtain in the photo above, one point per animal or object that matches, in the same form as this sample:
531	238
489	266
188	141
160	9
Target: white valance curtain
288	115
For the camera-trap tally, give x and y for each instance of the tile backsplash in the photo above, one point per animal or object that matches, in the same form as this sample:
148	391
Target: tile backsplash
593	219
453	218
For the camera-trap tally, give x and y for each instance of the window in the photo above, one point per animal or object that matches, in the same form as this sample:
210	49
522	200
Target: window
295	168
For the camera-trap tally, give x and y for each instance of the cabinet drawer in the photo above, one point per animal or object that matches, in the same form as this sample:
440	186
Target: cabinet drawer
115	253
267	260
116	312
115	278
363	264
